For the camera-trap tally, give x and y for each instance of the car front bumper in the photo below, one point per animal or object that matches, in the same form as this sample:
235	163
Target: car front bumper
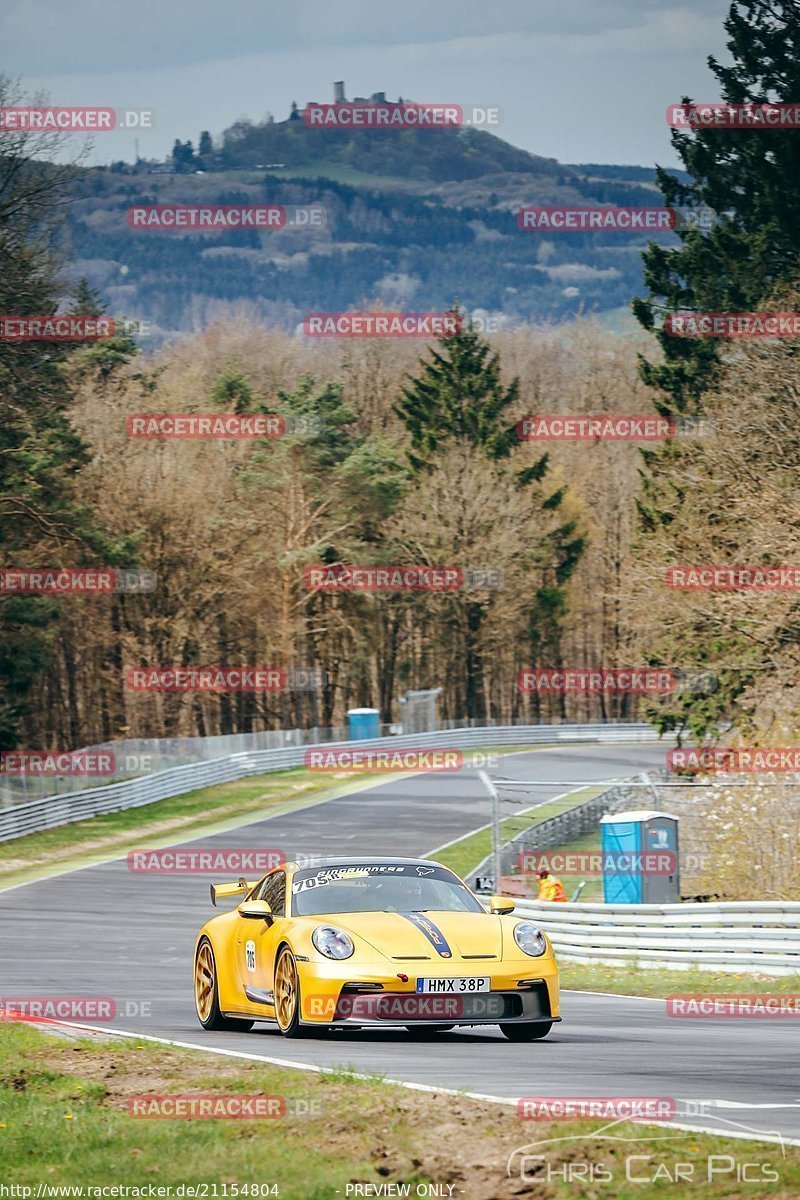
520	992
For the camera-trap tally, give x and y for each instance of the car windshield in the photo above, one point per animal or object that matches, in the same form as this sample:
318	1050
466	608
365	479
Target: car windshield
380	888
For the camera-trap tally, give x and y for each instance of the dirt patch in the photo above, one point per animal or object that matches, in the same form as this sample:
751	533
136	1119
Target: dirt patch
405	1134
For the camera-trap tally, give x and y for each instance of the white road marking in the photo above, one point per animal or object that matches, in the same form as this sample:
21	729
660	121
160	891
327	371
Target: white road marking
779	1139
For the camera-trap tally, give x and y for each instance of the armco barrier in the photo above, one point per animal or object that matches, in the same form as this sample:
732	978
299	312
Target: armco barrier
554	831
51	811
761	937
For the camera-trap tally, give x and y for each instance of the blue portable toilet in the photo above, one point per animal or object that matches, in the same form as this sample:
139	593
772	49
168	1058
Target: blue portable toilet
640	857
363	723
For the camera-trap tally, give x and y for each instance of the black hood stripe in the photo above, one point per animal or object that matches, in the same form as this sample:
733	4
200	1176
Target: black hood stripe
432	932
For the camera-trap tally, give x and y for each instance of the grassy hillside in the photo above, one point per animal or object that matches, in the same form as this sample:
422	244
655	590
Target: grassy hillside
415	219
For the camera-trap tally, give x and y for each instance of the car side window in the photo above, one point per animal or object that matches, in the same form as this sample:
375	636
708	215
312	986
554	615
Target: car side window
274	892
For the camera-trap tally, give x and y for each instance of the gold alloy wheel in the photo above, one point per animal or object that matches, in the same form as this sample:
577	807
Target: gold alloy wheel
286	990
204	981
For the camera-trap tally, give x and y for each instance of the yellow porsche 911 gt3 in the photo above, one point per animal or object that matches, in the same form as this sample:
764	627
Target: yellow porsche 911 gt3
372	942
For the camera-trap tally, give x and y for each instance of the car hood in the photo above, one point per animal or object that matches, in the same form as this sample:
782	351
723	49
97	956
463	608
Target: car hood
438	936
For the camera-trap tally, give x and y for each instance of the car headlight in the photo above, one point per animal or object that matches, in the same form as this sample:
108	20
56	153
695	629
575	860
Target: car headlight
332	942
530	939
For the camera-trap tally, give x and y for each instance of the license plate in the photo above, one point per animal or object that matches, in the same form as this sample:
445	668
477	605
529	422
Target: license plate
455	987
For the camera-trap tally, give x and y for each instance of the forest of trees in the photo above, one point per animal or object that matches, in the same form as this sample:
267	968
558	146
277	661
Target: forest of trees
412	458
414	250
229	528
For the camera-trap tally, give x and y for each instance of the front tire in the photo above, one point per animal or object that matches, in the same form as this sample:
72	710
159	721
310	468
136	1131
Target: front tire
531	1031
287	995
206	993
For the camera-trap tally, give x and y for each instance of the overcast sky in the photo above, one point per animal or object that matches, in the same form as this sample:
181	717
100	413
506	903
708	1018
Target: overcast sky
578	80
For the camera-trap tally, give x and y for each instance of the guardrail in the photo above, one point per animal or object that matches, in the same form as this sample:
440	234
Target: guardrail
760	937
564	827
51	811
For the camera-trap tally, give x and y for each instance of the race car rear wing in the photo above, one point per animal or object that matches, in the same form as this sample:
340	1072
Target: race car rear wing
221	891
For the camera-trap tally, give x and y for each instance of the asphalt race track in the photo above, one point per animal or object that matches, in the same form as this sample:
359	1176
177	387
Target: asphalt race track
104	931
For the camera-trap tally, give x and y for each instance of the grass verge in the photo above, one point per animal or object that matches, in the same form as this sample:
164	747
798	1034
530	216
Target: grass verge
192	814
465	854
202	812
647	981
65	1121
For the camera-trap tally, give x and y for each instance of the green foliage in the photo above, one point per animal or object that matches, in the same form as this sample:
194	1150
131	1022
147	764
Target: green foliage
458	395
41	456
183	156
232	393
752	178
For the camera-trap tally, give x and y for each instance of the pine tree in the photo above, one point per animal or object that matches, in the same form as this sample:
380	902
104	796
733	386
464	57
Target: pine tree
458	398
232	393
751	178
43	523
746	262
86	300
183	156
105	357
458	395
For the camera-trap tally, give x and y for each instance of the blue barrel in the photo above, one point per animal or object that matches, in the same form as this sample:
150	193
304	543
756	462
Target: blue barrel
363	723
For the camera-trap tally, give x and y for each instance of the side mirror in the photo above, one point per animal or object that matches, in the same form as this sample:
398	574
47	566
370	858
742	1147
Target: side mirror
256	910
500	905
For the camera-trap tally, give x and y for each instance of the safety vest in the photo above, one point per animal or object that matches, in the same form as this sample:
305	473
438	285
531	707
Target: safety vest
551	888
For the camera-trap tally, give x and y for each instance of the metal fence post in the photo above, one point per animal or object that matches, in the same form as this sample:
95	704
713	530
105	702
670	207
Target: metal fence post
492	790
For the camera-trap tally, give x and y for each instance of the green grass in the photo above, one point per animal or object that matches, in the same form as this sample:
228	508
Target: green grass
206	810
203	811
464	855
647	981
63	1128
64	1121
339	173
